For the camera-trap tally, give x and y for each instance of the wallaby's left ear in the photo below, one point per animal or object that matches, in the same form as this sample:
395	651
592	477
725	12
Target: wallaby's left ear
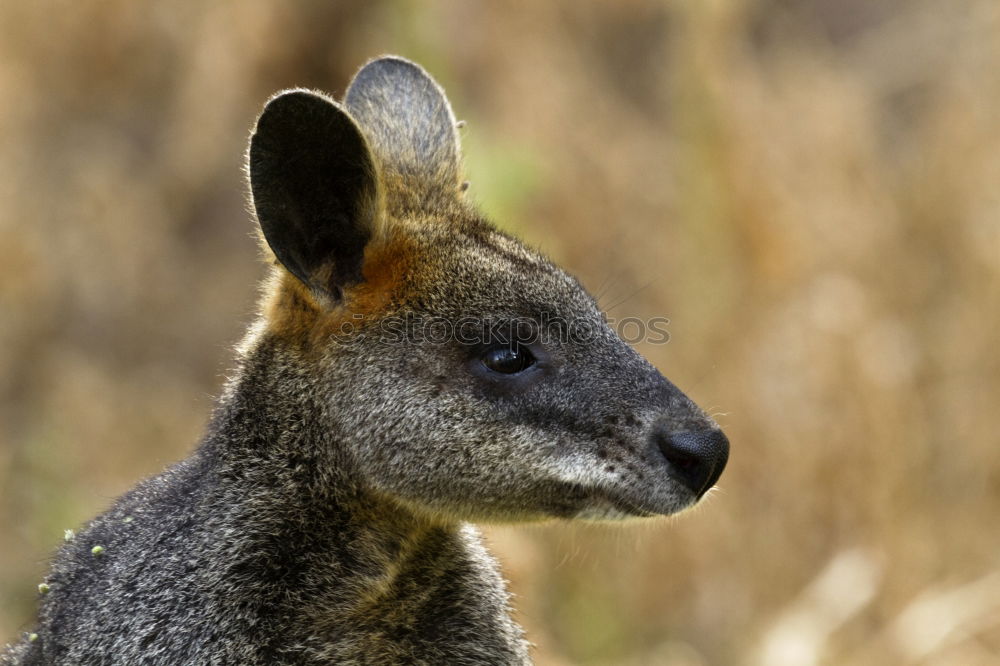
315	190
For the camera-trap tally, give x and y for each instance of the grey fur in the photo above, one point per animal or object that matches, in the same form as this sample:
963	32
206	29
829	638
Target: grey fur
420	139
322	519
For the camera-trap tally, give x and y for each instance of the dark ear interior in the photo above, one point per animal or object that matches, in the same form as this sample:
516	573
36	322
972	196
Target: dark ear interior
408	120
315	190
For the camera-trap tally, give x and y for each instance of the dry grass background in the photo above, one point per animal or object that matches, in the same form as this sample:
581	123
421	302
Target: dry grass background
808	189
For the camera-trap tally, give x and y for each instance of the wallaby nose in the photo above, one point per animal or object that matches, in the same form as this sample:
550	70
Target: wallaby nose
696	458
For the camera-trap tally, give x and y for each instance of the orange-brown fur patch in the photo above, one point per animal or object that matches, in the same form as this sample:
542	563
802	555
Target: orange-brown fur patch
293	312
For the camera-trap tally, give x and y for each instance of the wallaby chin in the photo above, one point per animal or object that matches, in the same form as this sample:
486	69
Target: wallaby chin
412	369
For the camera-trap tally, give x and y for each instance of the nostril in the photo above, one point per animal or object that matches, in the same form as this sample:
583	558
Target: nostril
697	458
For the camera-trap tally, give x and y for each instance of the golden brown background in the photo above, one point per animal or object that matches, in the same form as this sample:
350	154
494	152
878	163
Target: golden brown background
808	189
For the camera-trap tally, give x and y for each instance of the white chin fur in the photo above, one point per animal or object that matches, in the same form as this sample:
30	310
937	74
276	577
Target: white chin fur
602	510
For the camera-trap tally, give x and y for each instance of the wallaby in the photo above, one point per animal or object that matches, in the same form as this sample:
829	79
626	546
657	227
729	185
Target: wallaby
324	518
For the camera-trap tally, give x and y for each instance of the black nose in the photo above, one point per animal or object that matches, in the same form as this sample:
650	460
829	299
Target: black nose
696	458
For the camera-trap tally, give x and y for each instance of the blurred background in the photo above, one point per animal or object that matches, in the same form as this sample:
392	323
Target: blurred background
808	189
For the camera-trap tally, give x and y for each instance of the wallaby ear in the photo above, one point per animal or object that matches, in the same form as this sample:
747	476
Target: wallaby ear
315	189
408	120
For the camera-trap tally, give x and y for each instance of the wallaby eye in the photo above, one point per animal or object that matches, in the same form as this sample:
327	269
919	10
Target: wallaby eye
508	360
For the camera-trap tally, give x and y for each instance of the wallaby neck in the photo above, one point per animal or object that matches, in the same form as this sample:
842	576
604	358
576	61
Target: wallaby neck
283	472
329	556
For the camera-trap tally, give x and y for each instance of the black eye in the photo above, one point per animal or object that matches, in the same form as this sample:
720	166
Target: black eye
508	360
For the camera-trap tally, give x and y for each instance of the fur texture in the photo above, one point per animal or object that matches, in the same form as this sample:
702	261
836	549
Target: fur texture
323	518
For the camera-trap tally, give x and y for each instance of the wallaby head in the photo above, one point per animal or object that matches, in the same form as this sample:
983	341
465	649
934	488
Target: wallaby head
460	374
